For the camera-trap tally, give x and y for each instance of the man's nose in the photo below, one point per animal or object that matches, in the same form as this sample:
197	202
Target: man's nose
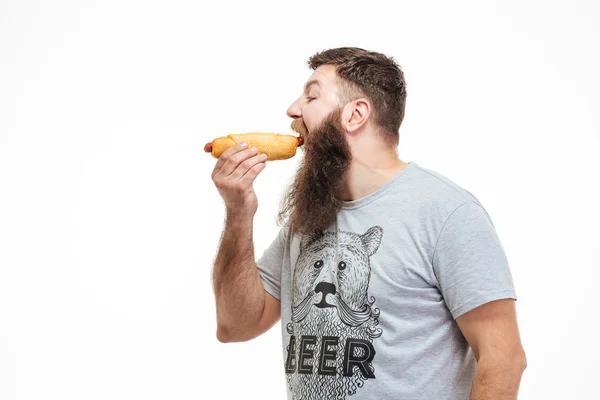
294	111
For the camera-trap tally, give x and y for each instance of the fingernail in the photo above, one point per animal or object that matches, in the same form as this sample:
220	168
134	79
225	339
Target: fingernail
244	144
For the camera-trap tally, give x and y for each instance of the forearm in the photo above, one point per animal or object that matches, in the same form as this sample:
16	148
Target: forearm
239	293
497	380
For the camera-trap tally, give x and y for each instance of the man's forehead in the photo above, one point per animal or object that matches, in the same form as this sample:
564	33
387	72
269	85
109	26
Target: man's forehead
323	76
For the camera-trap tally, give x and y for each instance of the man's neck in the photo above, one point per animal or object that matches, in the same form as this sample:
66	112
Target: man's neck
369	171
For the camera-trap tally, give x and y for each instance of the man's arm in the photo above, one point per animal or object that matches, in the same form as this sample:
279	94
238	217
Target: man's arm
492	332
244	309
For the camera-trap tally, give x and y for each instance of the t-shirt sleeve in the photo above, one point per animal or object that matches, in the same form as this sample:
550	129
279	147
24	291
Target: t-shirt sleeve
469	261
270	264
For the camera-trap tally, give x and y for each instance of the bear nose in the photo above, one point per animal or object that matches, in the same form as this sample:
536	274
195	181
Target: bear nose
326	288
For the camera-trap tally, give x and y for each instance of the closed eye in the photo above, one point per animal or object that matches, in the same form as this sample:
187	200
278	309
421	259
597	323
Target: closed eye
310	99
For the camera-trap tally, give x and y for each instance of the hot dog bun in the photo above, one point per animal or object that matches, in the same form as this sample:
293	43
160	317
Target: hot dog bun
275	145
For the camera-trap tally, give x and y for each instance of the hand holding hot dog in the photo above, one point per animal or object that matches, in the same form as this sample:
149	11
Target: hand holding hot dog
234	174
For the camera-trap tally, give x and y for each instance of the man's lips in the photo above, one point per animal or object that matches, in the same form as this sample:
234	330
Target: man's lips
299	126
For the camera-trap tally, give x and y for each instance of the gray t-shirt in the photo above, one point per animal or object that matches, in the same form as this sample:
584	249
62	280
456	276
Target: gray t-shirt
368	306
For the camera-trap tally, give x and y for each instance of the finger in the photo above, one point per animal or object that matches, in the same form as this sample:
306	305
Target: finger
230	151
244	166
252	173
235	160
226	156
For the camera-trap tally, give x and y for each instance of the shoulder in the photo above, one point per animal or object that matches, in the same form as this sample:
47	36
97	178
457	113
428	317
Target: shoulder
438	194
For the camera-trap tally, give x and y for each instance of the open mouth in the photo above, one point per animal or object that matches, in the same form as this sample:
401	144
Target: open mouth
298	126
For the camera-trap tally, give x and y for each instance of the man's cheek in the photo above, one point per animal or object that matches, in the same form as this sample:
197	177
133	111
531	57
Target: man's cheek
307	125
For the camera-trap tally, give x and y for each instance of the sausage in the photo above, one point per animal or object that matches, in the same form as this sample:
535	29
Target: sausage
208	147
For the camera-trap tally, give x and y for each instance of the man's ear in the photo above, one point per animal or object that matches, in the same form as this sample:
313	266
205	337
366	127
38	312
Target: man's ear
356	114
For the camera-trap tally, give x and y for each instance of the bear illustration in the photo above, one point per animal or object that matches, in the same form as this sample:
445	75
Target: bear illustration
334	322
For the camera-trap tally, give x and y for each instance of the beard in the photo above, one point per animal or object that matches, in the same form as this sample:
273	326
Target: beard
315	196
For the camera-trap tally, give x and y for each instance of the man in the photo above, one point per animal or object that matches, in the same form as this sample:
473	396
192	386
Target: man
389	278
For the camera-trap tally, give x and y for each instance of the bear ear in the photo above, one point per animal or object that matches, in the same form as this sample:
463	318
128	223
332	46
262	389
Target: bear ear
372	238
309	239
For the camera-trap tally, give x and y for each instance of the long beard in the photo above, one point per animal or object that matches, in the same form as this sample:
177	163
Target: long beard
315	196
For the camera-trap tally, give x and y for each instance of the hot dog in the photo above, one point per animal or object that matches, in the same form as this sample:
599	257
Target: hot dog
275	145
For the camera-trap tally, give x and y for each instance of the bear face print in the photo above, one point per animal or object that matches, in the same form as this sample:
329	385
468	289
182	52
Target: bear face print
334	323
330	274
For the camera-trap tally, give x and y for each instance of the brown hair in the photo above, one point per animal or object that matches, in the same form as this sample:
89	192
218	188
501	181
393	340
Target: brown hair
373	75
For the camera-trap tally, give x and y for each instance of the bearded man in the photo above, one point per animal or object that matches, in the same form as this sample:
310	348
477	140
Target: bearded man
389	279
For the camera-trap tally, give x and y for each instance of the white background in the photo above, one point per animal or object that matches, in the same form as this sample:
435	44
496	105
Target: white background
109	221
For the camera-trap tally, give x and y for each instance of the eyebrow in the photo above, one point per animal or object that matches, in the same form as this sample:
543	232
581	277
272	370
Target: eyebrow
310	83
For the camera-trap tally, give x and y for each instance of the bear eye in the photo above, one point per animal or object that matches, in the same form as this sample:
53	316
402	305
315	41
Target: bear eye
319	264
342	265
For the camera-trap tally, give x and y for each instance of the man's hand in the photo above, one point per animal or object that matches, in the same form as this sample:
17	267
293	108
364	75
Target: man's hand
234	174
